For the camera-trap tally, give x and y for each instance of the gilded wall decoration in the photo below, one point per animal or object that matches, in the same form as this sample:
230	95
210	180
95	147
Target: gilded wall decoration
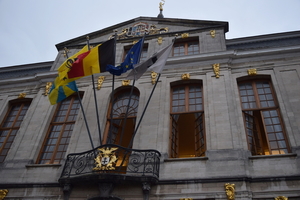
100	82
159	40
281	198
22	95
185	76
216	68
153	77
106	159
230	190
66	51
213	33
3	193
47	88
185	35
125	82
252	72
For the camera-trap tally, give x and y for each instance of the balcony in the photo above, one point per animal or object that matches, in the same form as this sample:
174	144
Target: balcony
111	164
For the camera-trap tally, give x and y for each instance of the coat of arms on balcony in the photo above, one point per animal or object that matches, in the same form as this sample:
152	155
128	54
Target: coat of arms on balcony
140	29
106	159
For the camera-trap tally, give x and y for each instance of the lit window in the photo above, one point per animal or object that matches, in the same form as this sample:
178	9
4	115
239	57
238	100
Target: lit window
187	121
117	132
264	127
11	124
60	131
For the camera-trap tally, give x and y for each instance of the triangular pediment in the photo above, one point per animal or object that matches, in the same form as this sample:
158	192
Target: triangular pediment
137	27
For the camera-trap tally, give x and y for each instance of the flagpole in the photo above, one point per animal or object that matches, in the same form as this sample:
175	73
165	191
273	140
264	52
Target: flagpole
83	113
112	95
130	95
95	98
135	131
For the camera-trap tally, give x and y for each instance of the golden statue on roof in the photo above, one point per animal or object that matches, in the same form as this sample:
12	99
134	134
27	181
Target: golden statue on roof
161	5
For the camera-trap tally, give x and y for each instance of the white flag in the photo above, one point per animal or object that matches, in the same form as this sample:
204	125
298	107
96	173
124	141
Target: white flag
156	63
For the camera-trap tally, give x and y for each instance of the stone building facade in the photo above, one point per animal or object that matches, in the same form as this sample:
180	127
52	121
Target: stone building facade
223	121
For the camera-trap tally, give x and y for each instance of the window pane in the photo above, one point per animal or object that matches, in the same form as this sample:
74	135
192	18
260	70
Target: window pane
10	125
60	131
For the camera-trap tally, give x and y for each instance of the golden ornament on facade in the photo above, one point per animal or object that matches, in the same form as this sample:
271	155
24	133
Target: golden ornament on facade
66	51
153	77
281	198
153	30
216	68
159	40
100	82
125	82
47	88
230	190
252	72
106	159
213	33
3	193
185	35
186	199
22	95
185	76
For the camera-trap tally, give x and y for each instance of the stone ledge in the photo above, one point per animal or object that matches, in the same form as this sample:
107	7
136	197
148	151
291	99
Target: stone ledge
185	159
43	165
273	156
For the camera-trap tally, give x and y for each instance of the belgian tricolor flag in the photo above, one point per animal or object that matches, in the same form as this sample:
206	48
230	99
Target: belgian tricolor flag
89	62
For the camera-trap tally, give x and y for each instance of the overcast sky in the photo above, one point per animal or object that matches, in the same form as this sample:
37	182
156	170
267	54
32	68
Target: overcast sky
30	29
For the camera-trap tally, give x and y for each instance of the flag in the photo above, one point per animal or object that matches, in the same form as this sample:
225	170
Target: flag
132	58
67	64
59	92
155	63
89	62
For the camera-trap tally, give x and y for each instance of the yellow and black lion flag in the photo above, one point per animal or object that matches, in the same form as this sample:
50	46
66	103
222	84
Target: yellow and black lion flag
87	62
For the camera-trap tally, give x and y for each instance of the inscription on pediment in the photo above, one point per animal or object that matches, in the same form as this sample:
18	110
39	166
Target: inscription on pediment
140	29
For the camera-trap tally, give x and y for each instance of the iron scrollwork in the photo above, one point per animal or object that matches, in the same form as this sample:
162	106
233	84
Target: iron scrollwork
130	162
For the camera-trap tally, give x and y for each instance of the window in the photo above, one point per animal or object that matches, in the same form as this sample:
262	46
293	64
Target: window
11	124
60	130
263	124
143	55
182	48
117	132
187	121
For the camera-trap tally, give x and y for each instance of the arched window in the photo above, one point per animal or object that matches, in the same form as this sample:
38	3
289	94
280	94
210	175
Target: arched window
187	120
60	131
263	123
119	128
11	124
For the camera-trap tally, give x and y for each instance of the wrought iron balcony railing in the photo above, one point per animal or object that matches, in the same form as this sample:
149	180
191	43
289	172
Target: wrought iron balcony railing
113	163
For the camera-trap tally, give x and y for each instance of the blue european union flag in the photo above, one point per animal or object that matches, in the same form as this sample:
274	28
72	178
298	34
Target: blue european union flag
132	58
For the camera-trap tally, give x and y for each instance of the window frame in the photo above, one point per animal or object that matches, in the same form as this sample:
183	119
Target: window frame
174	137
119	92
53	158
12	103
262	137
186	43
